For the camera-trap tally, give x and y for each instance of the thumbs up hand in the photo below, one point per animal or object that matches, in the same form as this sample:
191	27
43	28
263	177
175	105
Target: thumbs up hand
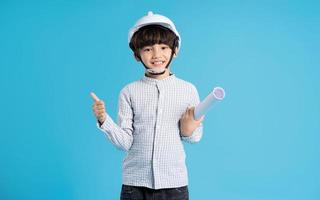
98	108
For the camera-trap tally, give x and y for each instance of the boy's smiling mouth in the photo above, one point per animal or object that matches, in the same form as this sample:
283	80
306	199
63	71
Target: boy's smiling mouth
157	63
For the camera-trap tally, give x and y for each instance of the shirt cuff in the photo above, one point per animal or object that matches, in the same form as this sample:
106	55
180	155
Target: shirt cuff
106	125
195	137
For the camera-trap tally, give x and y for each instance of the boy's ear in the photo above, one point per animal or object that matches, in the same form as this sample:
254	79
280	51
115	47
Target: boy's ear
176	52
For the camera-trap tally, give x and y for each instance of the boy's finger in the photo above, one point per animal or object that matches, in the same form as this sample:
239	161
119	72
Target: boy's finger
99	103
94	97
100	108
100	112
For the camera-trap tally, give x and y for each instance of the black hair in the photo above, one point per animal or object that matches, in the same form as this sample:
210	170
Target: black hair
153	34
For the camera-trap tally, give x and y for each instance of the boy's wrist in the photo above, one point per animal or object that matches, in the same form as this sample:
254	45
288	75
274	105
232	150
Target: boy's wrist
186	134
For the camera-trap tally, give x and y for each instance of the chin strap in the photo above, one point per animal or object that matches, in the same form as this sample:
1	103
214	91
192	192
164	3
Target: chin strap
153	72
156	72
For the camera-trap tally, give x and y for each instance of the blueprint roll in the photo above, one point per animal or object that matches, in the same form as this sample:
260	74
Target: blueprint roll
216	94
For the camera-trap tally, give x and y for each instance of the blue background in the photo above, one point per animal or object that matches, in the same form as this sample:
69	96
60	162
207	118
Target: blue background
260	143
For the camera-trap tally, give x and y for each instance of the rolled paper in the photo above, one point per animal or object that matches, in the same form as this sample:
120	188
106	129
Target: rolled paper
216	94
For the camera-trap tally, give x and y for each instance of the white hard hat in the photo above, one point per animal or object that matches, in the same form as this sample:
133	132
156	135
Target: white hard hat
153	19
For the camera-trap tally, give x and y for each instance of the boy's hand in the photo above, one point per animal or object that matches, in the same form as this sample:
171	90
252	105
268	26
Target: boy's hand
187	122
98	108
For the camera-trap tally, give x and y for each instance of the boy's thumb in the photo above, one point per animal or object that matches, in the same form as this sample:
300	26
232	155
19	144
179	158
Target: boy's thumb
94	97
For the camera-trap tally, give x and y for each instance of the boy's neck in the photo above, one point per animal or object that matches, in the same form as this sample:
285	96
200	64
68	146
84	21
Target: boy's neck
159	77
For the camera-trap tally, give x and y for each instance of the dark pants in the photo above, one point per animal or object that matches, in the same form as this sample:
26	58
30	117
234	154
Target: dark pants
142	193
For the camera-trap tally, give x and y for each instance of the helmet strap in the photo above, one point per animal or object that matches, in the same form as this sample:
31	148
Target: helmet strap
150	71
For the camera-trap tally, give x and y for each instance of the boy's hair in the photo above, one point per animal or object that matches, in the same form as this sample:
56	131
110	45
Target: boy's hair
153	34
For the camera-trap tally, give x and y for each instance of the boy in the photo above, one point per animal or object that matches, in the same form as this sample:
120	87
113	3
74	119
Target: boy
155	115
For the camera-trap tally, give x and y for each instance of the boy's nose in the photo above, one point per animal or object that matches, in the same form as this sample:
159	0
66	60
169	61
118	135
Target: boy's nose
156	52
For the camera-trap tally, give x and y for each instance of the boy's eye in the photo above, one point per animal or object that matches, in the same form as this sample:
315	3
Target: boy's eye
164	47
147	49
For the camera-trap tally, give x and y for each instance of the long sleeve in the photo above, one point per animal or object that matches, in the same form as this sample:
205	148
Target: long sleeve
197	134
120	134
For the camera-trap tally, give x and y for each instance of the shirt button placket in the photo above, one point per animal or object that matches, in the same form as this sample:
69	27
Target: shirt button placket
156	167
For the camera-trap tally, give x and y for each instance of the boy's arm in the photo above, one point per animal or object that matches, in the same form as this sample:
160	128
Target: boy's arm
197	133
120	135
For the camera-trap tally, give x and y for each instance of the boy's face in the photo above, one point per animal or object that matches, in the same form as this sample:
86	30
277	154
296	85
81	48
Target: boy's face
156	56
